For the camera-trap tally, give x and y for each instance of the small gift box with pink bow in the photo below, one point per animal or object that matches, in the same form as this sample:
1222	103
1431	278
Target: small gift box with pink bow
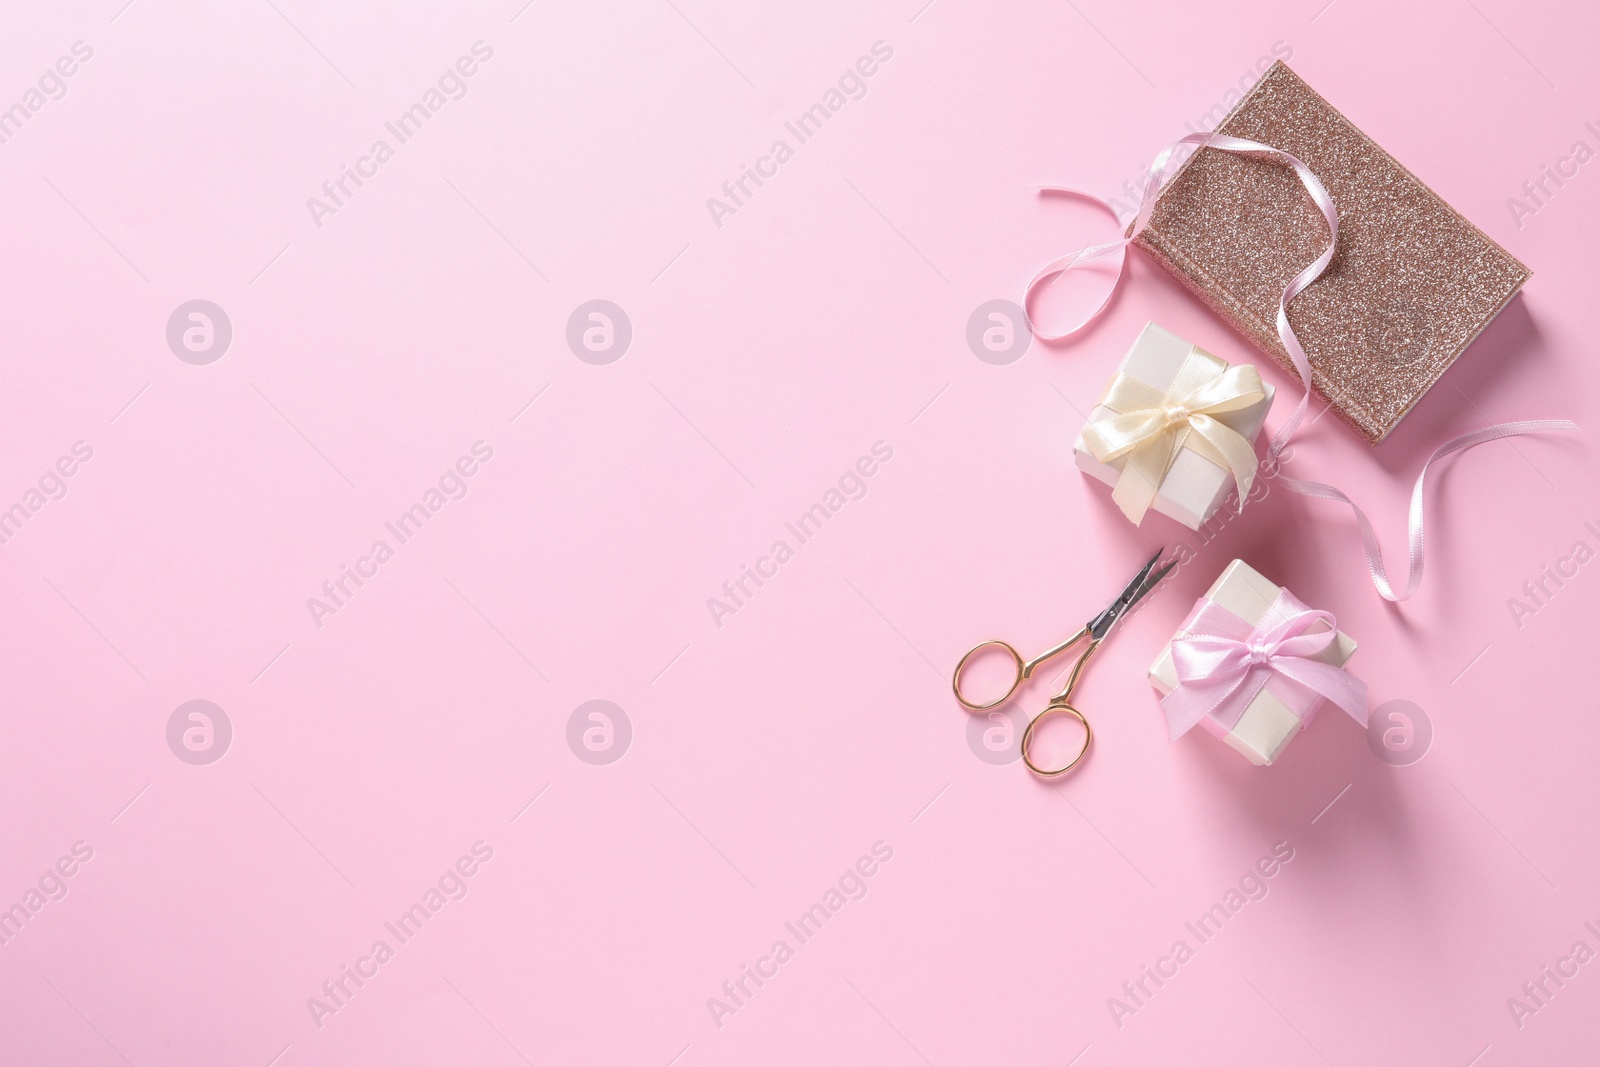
1175	430
1252	664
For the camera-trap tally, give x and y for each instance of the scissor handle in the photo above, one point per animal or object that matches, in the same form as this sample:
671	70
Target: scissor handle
955	679
1057	707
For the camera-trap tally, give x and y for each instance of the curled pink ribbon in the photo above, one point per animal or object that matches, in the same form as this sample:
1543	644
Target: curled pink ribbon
1160	171
1223	662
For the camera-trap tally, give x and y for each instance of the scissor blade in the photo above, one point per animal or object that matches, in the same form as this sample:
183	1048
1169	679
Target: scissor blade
1151	580
1148	578
1136	588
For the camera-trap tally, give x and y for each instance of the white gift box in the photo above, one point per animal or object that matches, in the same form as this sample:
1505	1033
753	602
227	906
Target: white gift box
1267	724
1194	486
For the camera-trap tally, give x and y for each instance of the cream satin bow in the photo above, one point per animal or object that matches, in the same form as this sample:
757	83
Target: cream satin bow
1151	427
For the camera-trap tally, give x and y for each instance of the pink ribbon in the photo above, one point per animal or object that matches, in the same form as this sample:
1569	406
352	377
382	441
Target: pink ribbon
1159	173
1223	663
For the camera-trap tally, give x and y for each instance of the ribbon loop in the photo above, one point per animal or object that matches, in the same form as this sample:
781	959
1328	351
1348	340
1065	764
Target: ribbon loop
1223	662
1160	171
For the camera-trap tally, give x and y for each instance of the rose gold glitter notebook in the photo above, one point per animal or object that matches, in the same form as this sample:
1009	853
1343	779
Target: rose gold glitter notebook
1410	286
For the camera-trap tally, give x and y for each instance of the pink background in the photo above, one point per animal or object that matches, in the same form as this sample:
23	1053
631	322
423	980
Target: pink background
771	752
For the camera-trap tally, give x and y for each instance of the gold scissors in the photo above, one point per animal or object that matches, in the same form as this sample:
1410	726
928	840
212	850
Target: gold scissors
1095	630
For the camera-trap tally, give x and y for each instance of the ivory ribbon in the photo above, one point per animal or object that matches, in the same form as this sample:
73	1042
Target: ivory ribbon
1160	171
1150	427
1223	663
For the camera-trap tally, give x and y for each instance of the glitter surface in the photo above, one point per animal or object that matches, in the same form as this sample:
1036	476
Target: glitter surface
1410	286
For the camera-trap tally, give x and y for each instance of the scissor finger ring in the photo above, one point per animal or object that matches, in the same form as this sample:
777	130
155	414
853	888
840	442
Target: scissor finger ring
1020	668
1027	740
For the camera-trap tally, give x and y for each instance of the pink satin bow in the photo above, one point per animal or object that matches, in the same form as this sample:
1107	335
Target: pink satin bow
1223	662
1161	170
